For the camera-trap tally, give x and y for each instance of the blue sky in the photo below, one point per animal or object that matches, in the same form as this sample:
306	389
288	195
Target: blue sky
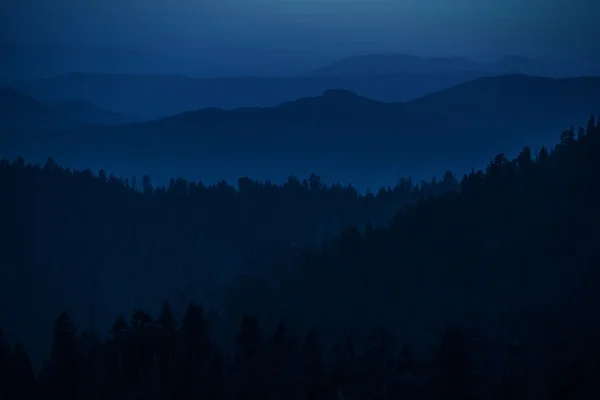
475	28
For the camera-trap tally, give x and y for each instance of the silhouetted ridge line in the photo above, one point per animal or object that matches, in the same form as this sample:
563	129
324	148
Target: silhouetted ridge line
389	63
15	100
515	83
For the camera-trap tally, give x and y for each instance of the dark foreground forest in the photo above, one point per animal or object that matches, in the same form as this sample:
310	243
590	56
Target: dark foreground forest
480	289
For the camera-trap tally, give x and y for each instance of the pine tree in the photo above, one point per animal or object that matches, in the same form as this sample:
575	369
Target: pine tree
167	332
248	360
194	353
313	366
591	126
5	366
22	379
65	361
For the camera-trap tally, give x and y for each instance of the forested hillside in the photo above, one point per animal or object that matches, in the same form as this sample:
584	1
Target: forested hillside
508	257
75	238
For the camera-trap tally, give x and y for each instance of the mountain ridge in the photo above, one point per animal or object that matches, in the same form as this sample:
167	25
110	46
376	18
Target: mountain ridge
155	96
394	63
17	109
345	97
349	137
89	113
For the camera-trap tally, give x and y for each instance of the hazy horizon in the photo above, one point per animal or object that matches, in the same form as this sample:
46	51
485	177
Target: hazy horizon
286	37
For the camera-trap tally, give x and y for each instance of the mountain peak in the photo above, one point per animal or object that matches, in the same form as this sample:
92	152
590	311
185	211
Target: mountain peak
339	93
19	110
13	101
8	93
393	63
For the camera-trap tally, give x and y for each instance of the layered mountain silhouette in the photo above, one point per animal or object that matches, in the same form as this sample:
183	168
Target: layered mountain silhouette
87	112
18	110
383	77
155	96
39	60
347	136
389	64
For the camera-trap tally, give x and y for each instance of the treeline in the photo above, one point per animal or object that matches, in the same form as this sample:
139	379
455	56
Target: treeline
120	223
144	358
127	243
512	252
73	237
302	211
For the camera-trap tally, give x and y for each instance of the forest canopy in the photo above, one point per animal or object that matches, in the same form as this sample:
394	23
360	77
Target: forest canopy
507	255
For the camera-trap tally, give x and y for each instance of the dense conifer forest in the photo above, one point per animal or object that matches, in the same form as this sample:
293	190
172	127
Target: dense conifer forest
483	288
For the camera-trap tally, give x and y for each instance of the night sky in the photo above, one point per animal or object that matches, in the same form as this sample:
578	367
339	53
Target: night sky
300	31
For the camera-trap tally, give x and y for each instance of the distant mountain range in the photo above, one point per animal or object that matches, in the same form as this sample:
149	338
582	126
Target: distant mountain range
26	61
89	113
18	110
154	96
389	64
383	77
344	136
